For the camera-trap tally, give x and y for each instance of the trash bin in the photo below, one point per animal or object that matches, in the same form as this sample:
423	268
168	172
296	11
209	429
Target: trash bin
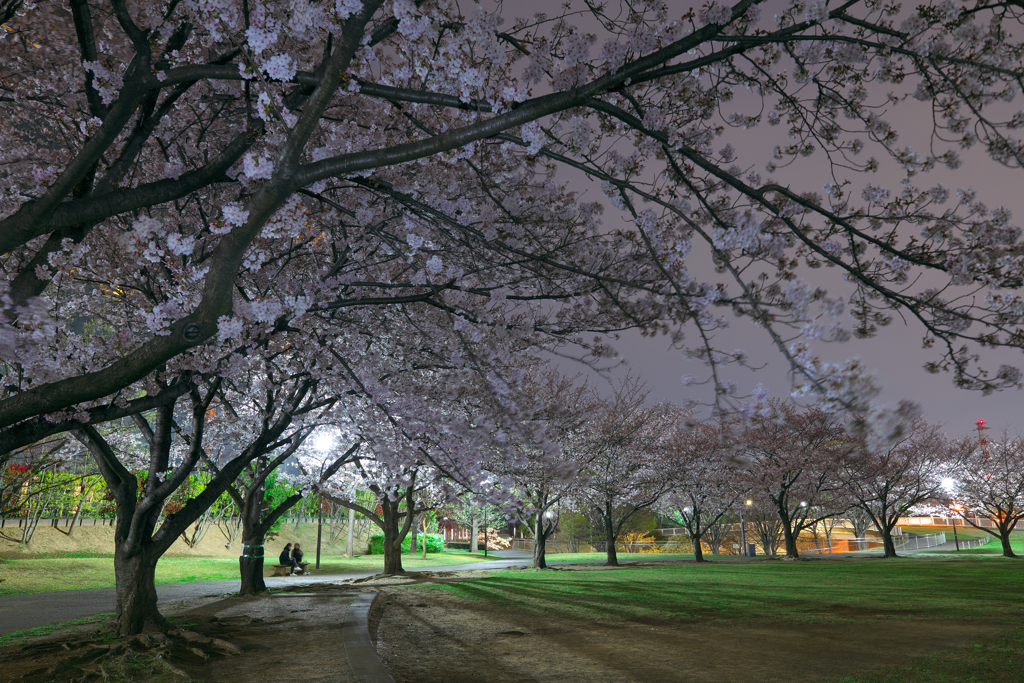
751	550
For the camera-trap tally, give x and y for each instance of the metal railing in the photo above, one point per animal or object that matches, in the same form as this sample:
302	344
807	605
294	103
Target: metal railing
966	543
912	542
846	545
17	523
806	546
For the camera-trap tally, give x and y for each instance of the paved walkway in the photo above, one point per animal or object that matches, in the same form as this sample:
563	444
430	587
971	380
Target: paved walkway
21	612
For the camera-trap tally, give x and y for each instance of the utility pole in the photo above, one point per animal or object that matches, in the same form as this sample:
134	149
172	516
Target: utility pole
349	538
743	530
319	527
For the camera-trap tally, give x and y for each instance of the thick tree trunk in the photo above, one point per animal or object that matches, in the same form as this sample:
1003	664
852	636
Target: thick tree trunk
698	552
135	604
250	563
610	537
1004	539
540	538
790	539
888	545
392	537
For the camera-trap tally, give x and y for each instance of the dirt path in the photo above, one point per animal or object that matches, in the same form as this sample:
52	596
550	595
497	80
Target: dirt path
283	637
436	637
296	637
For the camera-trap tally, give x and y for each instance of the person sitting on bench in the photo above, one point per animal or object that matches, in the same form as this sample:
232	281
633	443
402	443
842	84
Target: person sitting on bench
286	558
297	557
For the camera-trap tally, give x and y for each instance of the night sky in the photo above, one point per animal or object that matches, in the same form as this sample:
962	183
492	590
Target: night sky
895	354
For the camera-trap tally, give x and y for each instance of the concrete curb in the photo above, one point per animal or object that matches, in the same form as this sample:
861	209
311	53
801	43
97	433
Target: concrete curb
362	655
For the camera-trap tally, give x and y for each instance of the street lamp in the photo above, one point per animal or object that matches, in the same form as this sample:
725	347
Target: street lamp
323	443
743	528
956	541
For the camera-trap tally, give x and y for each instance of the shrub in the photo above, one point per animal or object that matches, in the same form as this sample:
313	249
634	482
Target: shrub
678	547
435	543
639	542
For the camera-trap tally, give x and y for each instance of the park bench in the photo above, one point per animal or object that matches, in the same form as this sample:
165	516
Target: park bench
285	569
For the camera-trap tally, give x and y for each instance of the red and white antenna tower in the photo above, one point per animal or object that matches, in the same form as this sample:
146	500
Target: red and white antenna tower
980	424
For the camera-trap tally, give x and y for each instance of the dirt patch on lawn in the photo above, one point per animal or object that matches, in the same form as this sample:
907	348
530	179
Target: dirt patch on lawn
289	636
438	637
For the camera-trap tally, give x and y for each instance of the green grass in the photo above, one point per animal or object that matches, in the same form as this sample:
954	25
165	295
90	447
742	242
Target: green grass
601	557
762	593
961	531
74	573
993	547
18	637
933	587
994	660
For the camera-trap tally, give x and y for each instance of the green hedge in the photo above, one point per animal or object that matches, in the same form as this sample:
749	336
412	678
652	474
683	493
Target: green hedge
435	543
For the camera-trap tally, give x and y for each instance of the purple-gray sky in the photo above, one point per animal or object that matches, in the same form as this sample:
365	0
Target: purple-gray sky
895	354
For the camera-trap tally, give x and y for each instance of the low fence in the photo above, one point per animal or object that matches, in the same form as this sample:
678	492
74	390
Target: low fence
913	542
805	546
17	523
966	543
958	522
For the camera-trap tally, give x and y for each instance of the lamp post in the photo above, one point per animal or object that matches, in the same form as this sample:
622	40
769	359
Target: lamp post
323	443
319	526
743	528
956	541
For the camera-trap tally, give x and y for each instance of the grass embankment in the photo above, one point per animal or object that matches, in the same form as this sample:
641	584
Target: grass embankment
45	575
992	547
817	592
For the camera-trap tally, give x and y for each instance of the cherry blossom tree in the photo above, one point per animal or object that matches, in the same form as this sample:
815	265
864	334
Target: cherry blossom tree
706	482
990	485
22	473
795	456
182	176
143	533
538	467
764	524
620	460
886	484
401	494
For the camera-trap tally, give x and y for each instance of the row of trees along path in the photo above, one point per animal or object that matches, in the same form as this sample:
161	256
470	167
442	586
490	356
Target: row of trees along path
350	216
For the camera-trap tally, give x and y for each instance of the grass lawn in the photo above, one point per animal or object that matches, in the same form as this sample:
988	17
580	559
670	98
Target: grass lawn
933	587
601	557
993	547
812	592
73	573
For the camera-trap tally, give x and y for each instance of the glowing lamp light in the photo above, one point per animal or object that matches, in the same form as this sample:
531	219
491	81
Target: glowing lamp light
980	423
750	502
948	483
323	442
